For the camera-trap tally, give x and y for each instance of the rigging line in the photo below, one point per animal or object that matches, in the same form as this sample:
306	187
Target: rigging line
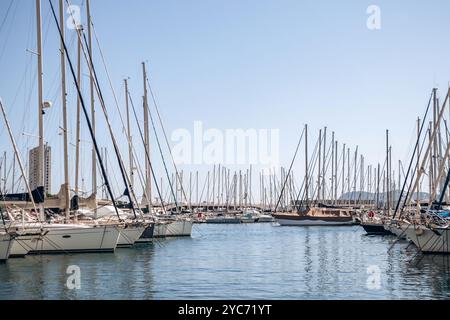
301	192
91	67
6	15
111	86
108	186
3	49
146	154
290	169
166	138
129	191
139	167
162	156
411	161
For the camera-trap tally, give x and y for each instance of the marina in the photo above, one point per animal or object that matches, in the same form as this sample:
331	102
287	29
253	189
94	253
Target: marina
104	194
305	263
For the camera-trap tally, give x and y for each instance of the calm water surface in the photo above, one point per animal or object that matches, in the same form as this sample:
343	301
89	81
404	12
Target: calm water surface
256	261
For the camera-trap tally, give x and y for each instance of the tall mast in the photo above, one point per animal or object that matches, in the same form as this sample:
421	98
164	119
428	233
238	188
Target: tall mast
40	75
335	172
64	105
148	187
324	158
355	173
78	126
378	186
13	182
332	165
343	169
388	174
348	175
306	168
91	84
4	172
196	187
319	179
130	143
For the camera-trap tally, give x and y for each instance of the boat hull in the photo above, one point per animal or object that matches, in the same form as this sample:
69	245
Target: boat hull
5	246
160	230
375	229
129	235
147	235
71	240
285	220
397	230
223	220
179	228
430	240
265	219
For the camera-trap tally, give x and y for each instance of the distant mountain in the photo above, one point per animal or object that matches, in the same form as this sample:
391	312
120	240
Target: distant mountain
363	195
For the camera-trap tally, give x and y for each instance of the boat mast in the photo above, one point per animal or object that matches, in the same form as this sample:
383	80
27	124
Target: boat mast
324	158
417	167
148	187
335	173
348	176
319	179
4	172
91	85
378	185
388	174
306	168
66	189
13	182
355	175
130	143
343	169
332	165
78	126
40	75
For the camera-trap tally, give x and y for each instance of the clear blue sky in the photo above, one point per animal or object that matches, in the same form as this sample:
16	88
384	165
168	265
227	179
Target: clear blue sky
245	64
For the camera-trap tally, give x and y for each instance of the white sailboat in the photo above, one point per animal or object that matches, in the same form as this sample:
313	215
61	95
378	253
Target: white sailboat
68	238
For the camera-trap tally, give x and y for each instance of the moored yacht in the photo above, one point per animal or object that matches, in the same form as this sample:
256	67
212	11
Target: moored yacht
316	217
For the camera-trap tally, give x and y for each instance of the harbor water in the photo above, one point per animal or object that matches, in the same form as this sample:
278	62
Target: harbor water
246	261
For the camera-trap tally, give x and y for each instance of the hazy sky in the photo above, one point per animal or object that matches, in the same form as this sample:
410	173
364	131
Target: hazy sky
241	64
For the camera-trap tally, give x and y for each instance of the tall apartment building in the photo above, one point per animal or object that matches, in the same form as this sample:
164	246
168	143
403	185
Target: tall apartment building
33	174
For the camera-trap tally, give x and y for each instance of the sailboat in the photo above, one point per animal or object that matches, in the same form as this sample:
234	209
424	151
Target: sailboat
305	212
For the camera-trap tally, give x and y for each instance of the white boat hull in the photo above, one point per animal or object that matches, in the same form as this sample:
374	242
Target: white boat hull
266	219
129	235
179	228
428	240
20	247
5	246
160	230
59	239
